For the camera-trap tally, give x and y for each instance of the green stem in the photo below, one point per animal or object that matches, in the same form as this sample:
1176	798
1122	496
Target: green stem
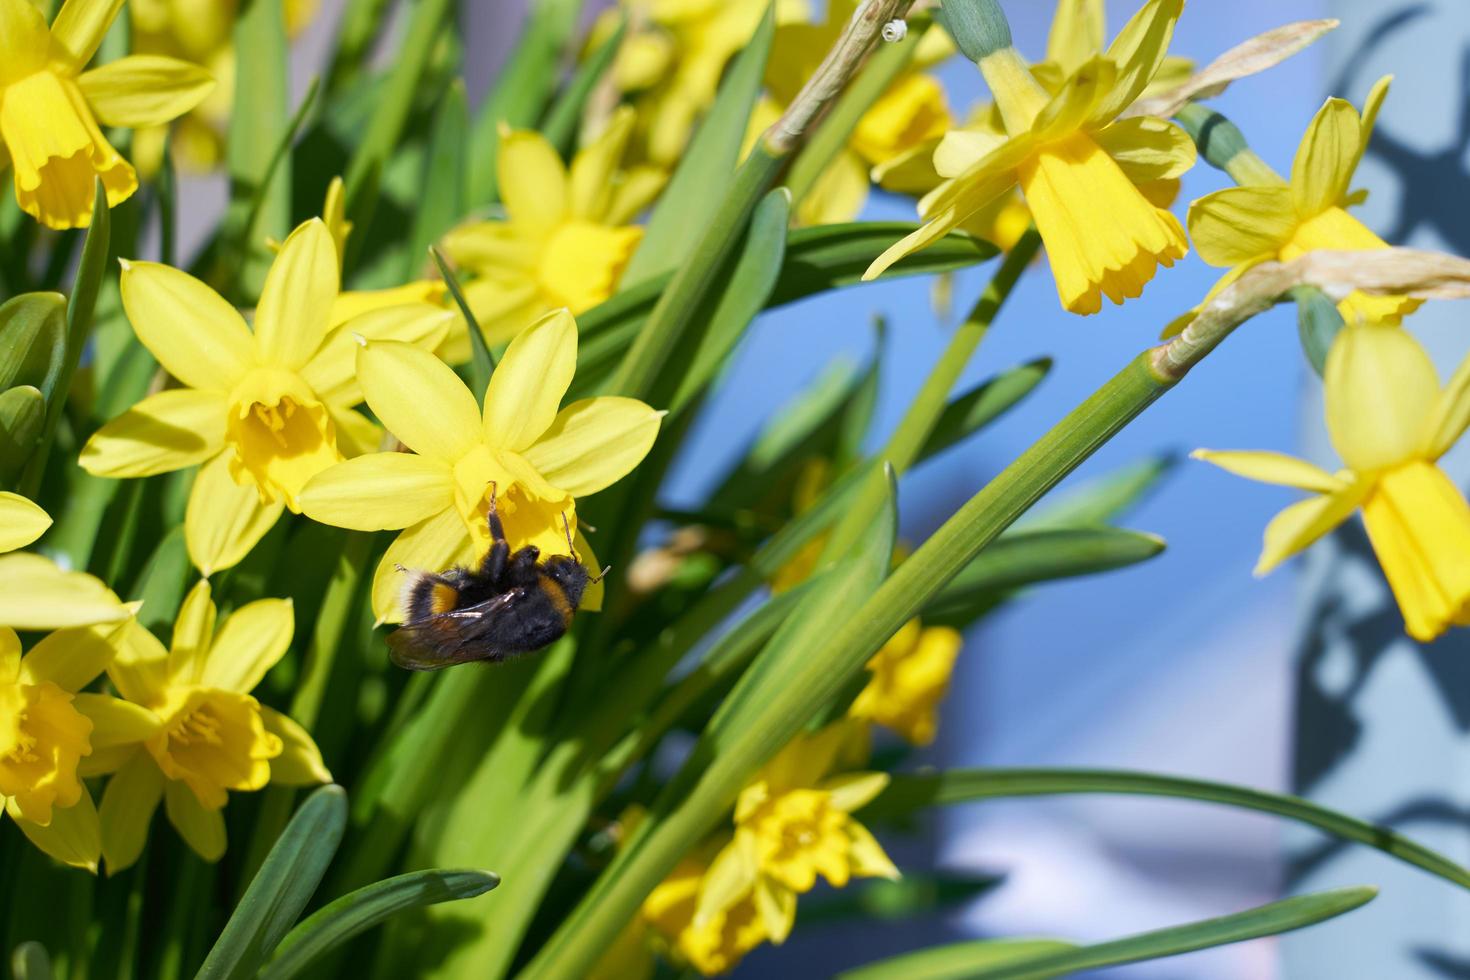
913	431
1223	146
331	622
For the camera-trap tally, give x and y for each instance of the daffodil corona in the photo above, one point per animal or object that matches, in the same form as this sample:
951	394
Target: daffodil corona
50	107
910	676
1077	164
1389	421
263	410
537	459
211	735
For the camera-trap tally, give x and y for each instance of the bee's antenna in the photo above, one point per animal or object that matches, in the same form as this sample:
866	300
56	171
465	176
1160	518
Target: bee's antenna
602	575
566	525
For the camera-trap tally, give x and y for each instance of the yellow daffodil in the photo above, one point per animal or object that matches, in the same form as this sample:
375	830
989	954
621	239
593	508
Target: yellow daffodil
566	237
201	32
714	944
51	736
910	676
1243	226
1077	164
793	823
1390	421
21	521
913	111
35	594
1077	34
211	736
538	460
50	108
263	409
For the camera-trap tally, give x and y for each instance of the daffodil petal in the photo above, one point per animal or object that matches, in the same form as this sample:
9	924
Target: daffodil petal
24	40
21	521
74	836
356	433
37	595
533	180
300	762
1381	391
140	669
504	306
1326	157
203	830
1138	51
639	188
144	90
434	544
9	655
838	195
1240	224
1076	102
419	399
106	761
1077	32
866	855
72	658
379	492
528	384
80	26
193	632
115	721
594	443
1300	525
197	336
296	302
168	431
1369	119
224	520
249	644
731	876
1268	467
332	370
1448	421
597	586
128	804
591	180
490	246
1147	149
854	790
776	906
960	149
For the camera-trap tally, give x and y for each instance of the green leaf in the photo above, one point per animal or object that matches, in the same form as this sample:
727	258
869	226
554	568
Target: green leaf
909	897
742	298
817	260
983	404
162	582
978	960
30	962
692	198
281	889
522	90
1317	324
22	417
1021	558
392	106
358	911
910	792
560	128
1102	499
258	126
443	181
482	360
32	341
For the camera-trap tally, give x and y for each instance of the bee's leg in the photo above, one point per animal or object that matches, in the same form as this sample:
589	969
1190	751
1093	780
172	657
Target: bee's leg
493	567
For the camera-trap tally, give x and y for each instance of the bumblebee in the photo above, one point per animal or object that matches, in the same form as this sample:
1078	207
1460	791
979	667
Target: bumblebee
511	604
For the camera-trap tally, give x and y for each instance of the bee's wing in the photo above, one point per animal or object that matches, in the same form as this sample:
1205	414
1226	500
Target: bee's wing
455	637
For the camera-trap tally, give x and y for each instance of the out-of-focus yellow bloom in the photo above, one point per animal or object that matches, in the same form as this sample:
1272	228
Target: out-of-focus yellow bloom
1389	420
1077	34
718	941
51	737
199	31
910	676
913	111
50	107
37	595
566	237
793	823
537	459
21	521
264	409
1243	226
211	735
1078	165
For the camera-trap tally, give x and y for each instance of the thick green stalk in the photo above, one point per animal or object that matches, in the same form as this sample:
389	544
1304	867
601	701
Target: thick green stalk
913	431
1223	146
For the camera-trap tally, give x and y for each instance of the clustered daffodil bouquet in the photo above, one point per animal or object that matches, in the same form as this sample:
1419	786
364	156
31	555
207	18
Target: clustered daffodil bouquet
489	333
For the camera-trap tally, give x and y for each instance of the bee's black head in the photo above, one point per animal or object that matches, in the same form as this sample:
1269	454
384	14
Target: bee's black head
568	573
